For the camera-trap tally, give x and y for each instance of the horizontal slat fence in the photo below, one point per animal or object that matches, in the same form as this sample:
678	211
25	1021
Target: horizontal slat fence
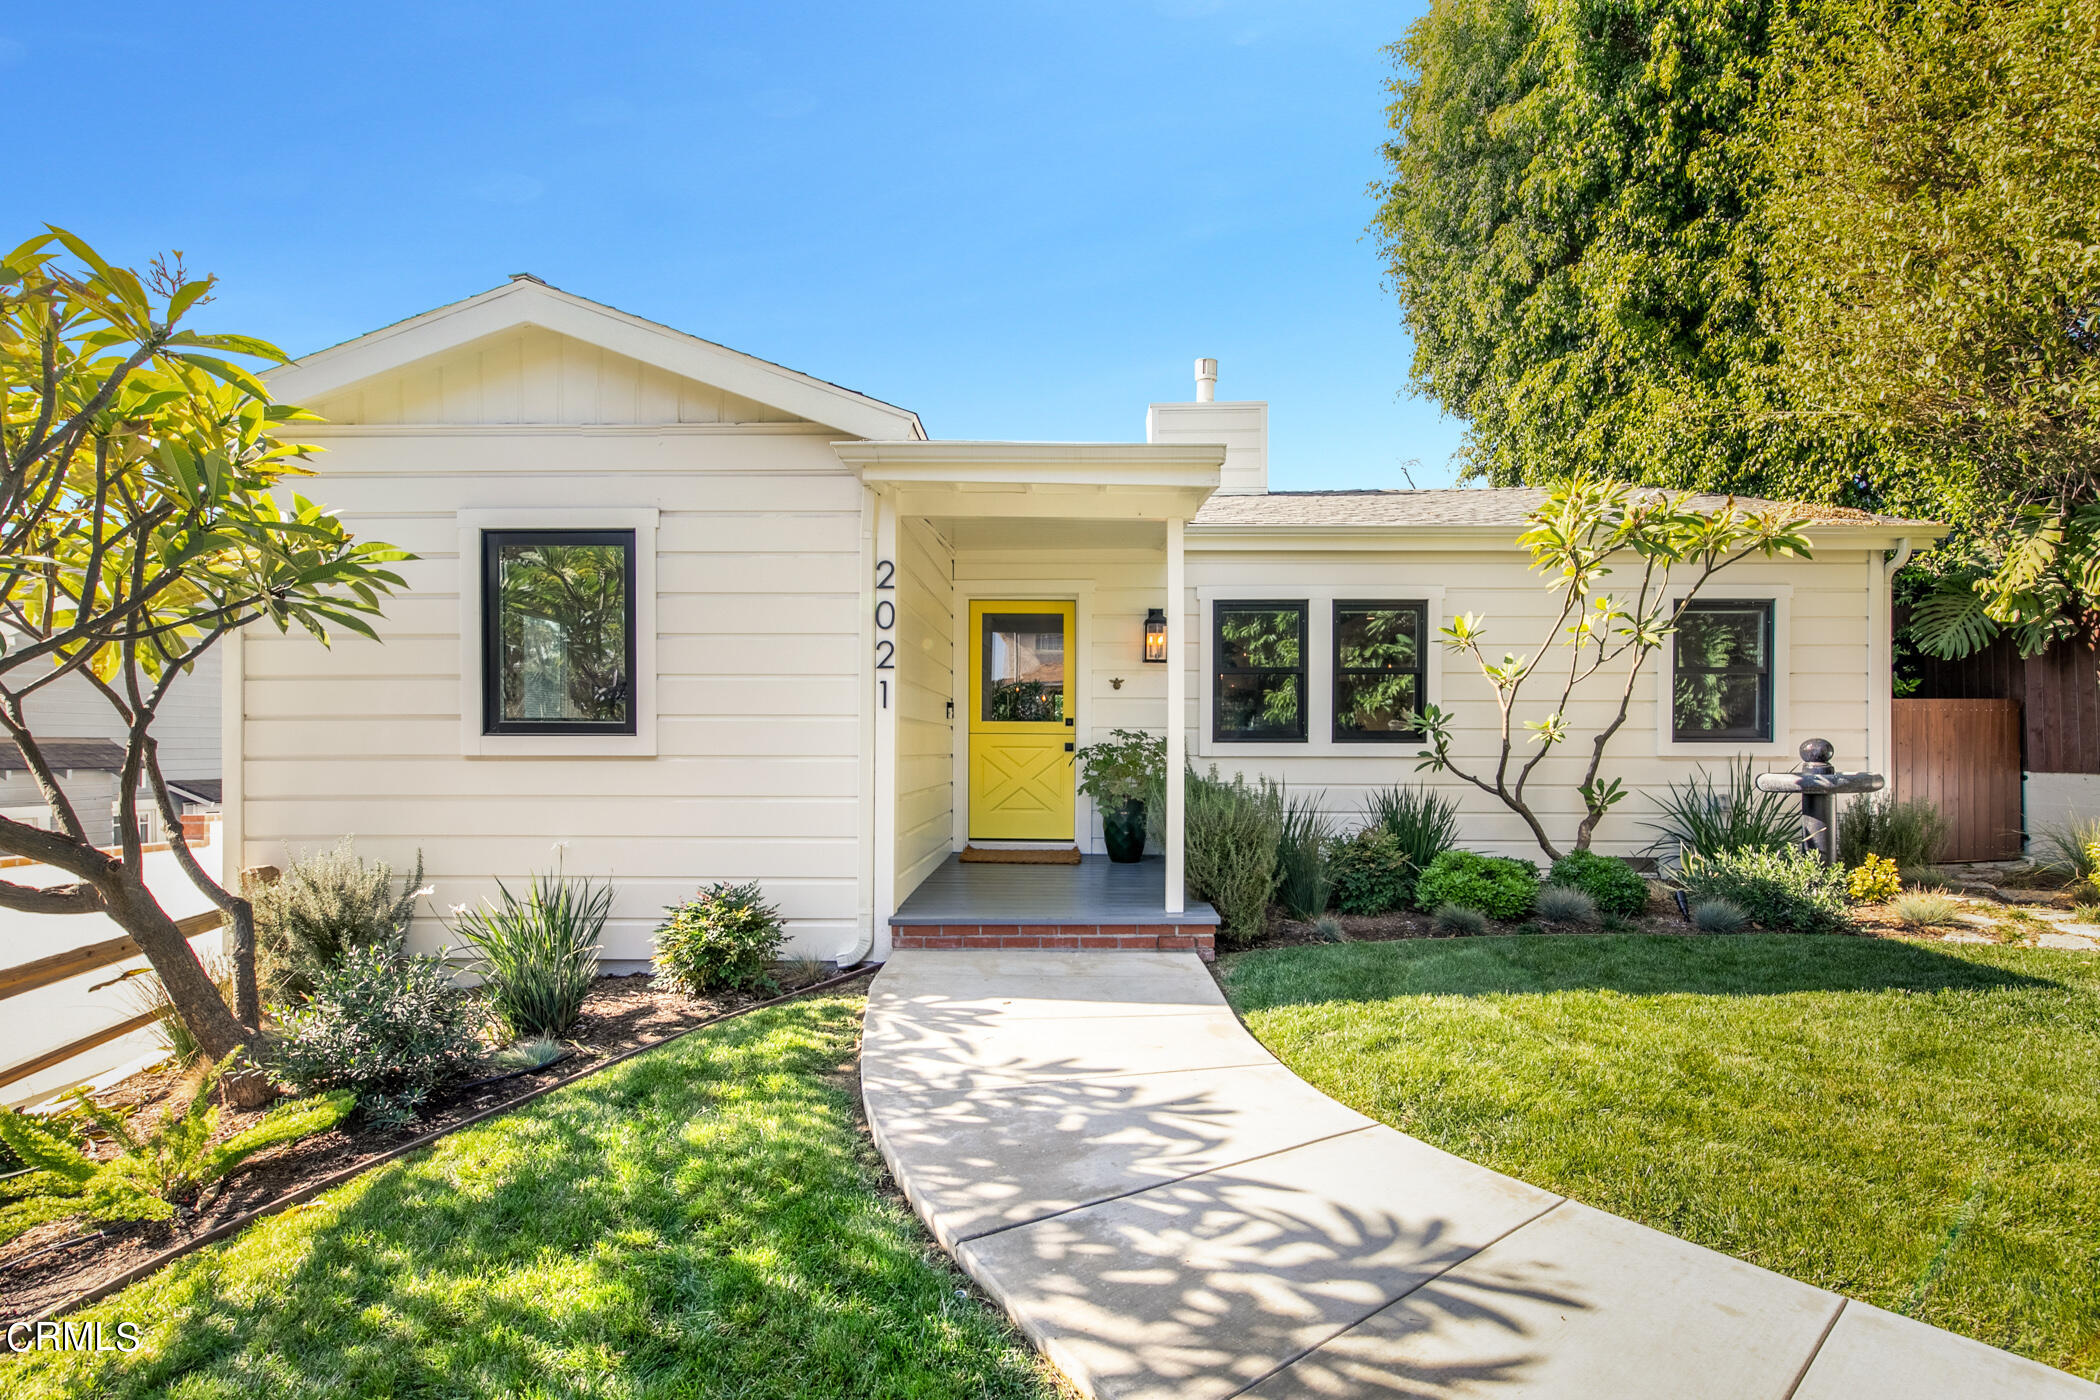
1964	756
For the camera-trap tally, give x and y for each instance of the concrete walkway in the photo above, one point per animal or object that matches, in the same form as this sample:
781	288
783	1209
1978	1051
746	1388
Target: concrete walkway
1167	1211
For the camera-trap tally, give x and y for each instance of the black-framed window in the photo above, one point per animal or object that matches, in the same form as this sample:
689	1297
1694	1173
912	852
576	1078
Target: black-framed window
1381	670
1721	688
557	631
1258	672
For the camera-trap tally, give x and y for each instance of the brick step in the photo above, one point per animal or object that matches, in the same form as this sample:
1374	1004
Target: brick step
1149	938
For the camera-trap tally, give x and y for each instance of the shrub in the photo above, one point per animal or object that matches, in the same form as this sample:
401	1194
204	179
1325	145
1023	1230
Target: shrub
1422	821
2068	849
539	954
1564	904
1303	881
723	939
1906	833
1330	929
386	1026
328	905
1616	886
1230	835
1778	889
1128	764
1458	921
1531	928
149	1172
1718	916
1920	877
1874	880
1371	873
1492	884
1697	816
1924	909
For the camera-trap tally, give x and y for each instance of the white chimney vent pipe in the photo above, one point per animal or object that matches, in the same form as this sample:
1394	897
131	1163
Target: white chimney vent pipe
1206	380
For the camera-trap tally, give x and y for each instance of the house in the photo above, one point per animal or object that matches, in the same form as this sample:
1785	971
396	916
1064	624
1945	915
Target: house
82	737
687	615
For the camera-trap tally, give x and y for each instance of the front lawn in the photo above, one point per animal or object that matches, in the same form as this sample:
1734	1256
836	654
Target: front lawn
701	1220
1915	1125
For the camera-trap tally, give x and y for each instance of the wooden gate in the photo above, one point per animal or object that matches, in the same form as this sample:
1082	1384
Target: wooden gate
1964	755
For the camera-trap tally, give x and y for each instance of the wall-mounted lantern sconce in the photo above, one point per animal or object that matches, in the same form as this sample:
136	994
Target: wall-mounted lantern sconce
1156	634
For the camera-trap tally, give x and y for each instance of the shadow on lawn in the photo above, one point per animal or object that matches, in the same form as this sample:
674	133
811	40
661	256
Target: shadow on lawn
1636	965
698	1218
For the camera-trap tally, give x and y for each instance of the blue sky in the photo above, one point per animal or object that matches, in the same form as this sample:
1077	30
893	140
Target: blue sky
1020	221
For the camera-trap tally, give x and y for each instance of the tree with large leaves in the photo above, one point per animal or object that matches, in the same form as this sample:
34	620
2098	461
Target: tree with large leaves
141	521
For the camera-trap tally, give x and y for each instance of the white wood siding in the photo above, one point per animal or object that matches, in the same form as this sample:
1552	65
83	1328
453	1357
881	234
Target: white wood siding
926	684
757	774
1826	647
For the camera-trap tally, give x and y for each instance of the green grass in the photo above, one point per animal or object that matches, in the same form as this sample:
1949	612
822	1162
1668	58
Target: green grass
700	1221
1916	1125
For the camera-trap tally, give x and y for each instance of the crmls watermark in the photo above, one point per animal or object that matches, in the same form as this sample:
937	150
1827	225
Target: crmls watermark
73	1336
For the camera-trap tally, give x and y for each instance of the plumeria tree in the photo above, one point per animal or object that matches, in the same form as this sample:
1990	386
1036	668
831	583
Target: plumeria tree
1577	537
140	522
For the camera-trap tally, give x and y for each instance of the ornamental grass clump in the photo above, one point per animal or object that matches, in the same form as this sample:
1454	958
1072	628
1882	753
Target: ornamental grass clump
1422	821
1494	885
390	1028
1776	889
539	954
1924	909
1697	816
1719	916
1616	886
1304	882
1457	921
724	939
1564	904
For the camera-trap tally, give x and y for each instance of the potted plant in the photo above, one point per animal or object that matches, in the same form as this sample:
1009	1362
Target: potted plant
1116	773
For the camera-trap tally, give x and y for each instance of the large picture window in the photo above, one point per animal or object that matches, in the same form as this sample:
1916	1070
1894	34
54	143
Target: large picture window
1721	688
558	631
1380	670
1258	687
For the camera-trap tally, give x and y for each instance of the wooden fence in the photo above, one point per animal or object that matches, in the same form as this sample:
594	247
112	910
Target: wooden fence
1964	755
74	962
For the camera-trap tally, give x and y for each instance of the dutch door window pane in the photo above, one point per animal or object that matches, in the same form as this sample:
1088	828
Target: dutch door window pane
1024	667
558	631
1378	671
1258	685
1722	686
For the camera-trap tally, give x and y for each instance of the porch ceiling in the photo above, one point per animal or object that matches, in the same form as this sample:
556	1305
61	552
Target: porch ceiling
1040	480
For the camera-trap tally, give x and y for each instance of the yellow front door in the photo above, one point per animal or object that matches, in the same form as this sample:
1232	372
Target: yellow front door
1020	721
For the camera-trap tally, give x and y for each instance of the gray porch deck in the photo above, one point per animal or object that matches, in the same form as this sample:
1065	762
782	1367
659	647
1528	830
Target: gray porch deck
1095	891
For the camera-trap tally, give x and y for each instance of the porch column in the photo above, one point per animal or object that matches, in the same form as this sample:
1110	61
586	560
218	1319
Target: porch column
1177	713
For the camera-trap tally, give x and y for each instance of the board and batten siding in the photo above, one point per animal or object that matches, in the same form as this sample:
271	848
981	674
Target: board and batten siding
1827	646
757	772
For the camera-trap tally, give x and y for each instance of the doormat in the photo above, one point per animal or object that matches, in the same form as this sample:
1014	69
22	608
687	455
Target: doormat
979	855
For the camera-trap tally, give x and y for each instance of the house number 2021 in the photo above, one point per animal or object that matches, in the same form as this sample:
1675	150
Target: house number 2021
885	623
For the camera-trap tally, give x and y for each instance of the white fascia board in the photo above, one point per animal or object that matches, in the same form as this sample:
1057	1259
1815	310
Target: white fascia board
1177	465
1471	537
531	303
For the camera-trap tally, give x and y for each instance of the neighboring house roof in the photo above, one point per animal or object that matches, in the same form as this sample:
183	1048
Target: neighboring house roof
1499	508
527	301
62	754
201	790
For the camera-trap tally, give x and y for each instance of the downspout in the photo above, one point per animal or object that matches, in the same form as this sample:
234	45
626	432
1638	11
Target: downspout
864	926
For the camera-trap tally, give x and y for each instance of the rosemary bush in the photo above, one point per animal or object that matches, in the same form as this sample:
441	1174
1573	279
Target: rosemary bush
327	906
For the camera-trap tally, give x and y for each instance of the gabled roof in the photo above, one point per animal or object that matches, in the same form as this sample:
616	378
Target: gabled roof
527	301
1497	508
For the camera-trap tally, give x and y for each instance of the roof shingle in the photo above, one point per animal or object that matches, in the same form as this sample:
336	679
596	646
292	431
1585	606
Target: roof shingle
1497	507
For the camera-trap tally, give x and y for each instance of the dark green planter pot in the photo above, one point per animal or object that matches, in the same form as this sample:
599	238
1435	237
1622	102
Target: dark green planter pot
1123	831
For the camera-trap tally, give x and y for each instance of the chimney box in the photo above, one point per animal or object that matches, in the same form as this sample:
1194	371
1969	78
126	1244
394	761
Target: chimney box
1242	428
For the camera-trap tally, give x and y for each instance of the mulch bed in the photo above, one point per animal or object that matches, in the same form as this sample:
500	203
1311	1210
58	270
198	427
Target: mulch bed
59	1261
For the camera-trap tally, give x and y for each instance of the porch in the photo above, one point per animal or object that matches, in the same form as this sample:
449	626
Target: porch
1096	904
